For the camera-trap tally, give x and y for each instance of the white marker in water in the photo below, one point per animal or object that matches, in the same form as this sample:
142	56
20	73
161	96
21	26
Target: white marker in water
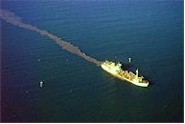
41	84
129	60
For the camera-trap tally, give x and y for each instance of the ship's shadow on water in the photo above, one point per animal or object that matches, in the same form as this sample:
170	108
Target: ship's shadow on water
126	65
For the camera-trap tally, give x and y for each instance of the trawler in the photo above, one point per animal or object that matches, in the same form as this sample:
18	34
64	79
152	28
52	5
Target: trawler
116	70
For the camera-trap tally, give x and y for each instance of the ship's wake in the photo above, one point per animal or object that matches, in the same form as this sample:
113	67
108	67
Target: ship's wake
15	20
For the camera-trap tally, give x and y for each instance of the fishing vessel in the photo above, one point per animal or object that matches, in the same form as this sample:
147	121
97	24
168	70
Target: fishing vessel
116	70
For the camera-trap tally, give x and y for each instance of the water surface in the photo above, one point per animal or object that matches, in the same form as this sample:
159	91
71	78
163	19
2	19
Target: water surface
150	32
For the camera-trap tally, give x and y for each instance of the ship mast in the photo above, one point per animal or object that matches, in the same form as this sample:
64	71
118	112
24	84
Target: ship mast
137	73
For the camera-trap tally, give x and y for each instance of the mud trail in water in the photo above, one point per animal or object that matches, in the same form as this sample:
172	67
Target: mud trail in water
15	20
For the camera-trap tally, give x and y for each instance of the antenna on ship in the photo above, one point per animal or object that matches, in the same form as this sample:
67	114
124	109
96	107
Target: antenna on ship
137	72
129	60
115	58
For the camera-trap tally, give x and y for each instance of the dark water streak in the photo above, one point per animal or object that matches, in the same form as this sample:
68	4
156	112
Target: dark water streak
15	20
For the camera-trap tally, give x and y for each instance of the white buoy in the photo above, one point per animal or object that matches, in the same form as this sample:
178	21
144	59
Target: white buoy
129	60
41	84
38	60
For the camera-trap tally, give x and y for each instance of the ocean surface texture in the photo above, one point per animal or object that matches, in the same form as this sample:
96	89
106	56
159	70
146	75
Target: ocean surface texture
75	90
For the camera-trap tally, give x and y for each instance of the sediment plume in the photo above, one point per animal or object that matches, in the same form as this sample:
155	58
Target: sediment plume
15	20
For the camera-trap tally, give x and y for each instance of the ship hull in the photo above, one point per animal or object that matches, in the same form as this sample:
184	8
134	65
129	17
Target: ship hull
107	69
